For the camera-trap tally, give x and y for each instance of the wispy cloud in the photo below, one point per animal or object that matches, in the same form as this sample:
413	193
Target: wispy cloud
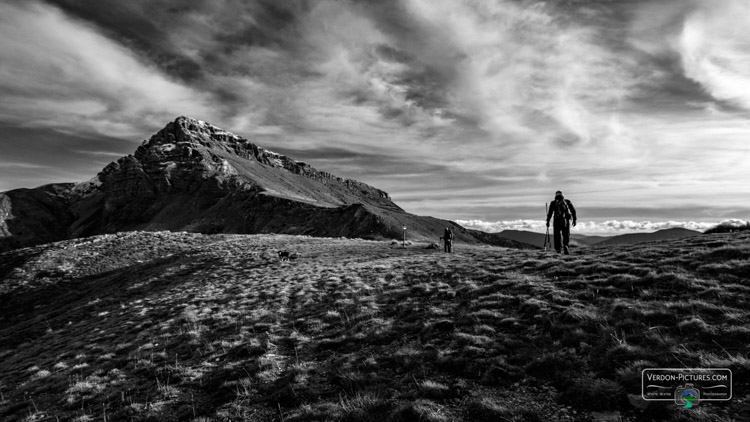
61	74
99	153
523	71
17	165
712	46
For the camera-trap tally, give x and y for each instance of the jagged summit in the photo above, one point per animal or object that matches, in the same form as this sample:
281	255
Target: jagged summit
196	133
187	143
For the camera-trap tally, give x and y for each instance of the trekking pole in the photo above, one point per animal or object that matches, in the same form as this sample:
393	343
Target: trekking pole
546	236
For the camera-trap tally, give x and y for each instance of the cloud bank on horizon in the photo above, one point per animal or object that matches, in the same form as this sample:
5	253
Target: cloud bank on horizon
606	228
470	110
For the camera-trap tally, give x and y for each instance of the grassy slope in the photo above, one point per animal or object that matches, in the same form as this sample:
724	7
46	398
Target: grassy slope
176	326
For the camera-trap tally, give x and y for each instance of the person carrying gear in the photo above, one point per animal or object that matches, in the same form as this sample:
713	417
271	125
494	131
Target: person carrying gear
448	239
563	211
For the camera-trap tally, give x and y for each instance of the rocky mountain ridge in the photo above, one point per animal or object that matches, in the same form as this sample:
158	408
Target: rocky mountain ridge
190	140
193	176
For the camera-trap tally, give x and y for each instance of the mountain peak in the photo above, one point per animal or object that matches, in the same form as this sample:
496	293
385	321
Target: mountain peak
196	126
192	131
189	149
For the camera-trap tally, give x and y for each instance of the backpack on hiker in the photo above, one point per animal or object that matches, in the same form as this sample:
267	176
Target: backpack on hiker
448	234
562	211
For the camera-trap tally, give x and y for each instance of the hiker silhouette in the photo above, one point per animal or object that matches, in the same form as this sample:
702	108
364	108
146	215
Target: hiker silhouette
563	211
448	239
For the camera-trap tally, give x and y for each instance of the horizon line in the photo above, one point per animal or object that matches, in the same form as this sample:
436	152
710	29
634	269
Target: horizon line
599	228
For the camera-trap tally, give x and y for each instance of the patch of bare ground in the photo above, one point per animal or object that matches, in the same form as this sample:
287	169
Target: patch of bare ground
178	326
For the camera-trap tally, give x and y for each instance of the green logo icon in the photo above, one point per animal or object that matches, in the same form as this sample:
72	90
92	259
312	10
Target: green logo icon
689	397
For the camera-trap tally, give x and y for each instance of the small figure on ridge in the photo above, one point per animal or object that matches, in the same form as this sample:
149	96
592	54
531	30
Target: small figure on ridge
448	239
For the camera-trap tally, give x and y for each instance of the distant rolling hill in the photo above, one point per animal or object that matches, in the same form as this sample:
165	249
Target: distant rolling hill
523	236
537	239
666	234
588	240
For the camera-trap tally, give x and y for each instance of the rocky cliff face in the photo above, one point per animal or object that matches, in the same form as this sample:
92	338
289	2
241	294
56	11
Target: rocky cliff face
193	176
32	216
187	138
190	155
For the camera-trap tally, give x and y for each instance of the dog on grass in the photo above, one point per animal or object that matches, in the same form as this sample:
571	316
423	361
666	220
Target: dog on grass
286	255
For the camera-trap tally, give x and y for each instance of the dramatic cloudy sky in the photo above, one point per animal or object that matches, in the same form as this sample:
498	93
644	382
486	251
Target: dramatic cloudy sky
475	111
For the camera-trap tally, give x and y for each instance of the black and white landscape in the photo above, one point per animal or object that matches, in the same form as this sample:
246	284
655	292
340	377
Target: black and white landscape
234	210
